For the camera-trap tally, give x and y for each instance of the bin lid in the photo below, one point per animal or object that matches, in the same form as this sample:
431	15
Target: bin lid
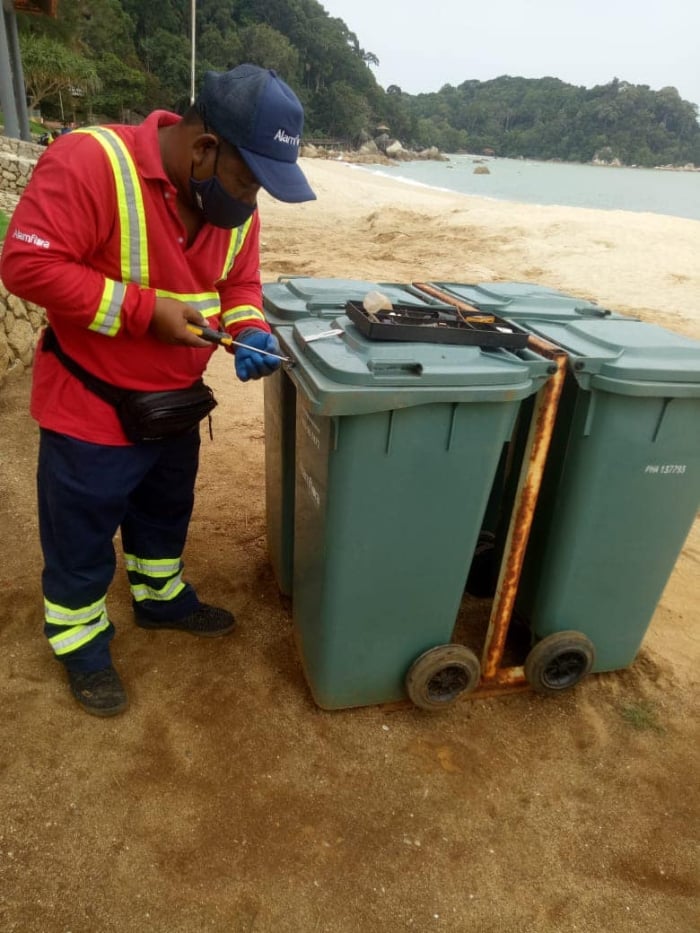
627	356
515	299
295	297
348	374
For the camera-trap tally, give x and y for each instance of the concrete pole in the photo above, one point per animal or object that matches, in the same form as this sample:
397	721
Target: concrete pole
18	75
7	94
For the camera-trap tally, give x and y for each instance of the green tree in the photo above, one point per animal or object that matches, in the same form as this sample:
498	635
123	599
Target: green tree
395	113
104	26
167	58
341	111
218	49
267	47
50	67
123	88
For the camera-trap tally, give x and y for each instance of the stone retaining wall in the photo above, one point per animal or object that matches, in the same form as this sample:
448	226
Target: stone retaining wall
20	321
17	161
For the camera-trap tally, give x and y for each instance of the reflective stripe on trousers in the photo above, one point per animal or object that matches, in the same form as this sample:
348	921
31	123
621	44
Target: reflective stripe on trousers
86	492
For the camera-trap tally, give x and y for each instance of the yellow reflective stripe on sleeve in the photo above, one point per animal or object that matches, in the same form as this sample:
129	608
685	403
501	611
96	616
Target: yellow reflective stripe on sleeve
108	319
238	238
241	313
73	638
164	567
132	215
171	589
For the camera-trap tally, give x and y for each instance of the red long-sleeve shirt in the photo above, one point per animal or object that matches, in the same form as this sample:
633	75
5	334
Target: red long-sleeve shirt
64	242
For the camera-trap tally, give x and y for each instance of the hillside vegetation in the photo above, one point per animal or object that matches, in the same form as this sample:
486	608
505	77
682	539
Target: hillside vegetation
119	59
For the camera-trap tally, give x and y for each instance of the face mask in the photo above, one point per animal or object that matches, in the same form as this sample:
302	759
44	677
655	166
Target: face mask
217	205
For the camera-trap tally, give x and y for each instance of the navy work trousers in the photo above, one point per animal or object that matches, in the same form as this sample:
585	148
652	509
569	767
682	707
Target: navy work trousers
88	491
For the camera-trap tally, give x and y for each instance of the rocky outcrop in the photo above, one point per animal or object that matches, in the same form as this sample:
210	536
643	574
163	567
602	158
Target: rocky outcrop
380	151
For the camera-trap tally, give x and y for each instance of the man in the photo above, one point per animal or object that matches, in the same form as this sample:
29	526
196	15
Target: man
128	236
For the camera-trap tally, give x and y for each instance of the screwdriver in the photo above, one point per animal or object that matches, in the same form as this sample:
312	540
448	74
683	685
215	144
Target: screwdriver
220	336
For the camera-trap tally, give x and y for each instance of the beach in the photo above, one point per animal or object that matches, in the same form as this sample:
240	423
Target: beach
224	800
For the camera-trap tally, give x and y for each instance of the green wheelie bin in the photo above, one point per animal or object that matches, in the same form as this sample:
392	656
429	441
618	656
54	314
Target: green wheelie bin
519	302
396	445
620	492
290	299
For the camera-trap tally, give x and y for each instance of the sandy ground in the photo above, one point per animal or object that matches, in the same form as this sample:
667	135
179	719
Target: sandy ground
225	801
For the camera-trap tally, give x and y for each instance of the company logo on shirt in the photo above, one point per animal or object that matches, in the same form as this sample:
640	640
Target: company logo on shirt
283	137
30	238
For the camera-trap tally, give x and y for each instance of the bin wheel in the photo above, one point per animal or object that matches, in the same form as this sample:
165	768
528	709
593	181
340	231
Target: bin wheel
441	675
559	661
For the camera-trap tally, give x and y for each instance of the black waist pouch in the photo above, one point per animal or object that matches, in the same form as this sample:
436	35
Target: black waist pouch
145	416
151	416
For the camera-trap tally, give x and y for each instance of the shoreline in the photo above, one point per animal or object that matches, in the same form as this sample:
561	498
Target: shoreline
406	180
609	190
360	158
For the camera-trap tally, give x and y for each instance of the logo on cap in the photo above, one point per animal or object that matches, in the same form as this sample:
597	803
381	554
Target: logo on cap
283	137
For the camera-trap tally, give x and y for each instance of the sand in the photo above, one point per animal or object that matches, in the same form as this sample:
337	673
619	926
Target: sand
226	801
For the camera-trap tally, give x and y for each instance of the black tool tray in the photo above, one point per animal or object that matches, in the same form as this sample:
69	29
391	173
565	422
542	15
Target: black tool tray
426	324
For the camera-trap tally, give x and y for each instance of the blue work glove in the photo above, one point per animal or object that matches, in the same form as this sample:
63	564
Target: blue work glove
252	365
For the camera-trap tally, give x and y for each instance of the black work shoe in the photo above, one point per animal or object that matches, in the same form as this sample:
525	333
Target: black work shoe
208	621
100	693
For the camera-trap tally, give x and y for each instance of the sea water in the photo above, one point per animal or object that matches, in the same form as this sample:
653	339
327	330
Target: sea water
676	193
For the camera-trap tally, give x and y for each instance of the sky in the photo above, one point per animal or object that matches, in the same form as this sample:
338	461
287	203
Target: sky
424	45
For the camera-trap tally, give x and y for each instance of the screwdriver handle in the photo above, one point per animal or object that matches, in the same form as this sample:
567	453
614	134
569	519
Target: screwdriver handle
220	336
208	333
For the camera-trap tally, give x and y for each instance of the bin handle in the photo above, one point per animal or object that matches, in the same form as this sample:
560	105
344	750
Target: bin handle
319	305
395	367
588	311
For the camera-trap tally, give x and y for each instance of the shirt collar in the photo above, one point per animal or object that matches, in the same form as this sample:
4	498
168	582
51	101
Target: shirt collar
147	146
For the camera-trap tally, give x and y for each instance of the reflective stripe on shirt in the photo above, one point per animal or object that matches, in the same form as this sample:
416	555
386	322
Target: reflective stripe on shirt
132	215
240	314
134	243
207	303
238	238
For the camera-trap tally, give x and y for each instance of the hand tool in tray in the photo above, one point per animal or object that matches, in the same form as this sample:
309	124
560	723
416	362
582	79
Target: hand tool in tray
426	324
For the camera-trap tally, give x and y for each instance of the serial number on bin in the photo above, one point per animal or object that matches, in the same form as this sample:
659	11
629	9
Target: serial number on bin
676	468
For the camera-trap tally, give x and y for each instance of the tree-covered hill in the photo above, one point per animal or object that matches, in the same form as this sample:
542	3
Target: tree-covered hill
547	119
119	59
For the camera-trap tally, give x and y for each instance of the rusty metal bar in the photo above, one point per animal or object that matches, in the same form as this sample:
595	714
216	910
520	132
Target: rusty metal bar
494	678
448	299
530	481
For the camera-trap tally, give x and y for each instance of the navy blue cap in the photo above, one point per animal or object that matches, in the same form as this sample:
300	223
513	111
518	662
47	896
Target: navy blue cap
255	111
